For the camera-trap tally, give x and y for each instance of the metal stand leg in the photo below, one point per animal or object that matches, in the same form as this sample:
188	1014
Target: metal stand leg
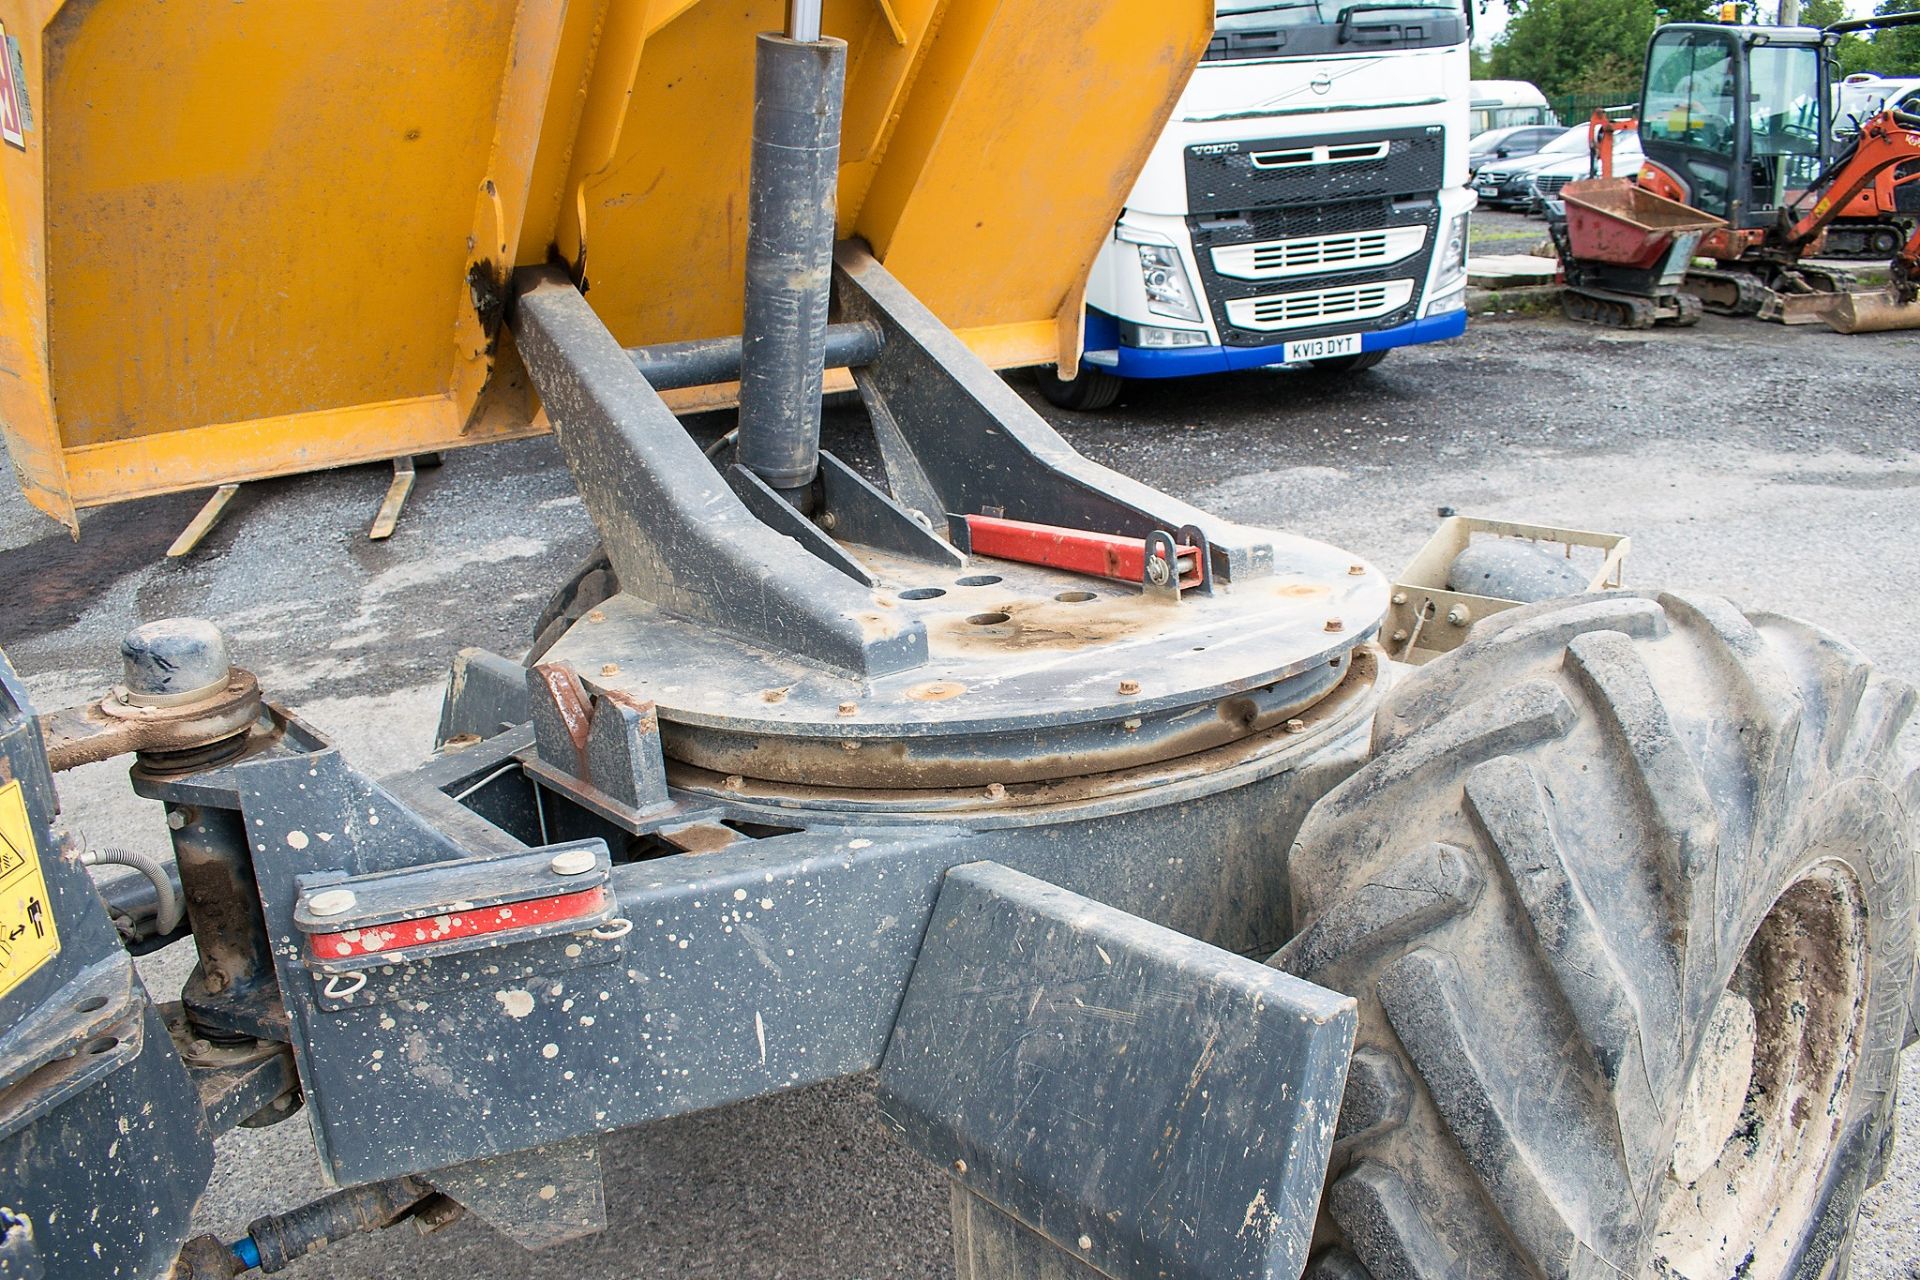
202	524
388	516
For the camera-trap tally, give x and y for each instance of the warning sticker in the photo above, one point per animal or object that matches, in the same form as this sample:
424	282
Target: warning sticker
14	118
28	938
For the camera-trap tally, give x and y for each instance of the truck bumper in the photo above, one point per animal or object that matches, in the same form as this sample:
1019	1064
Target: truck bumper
1103	336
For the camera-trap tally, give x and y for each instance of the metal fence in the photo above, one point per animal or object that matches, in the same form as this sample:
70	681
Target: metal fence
1574	108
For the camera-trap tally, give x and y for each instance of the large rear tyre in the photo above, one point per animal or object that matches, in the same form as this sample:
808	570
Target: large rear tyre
1627	900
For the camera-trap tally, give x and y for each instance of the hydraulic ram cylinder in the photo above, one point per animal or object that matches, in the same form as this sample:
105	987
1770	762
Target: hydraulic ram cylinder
798	88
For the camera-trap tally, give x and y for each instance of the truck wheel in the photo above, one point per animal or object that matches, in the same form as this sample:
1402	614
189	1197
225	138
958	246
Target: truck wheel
1626	898
1088	391
593	583
1349	364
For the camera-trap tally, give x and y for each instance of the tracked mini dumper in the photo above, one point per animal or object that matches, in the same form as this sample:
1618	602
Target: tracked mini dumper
1625	252
1189	935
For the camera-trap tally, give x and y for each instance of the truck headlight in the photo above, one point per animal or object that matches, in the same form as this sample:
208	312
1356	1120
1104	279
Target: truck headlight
1453	255
1153	337
1168	292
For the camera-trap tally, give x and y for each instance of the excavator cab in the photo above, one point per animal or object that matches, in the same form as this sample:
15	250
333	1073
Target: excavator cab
1737	117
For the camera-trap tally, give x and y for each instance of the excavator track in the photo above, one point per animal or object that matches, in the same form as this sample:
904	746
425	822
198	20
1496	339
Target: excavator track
1864	239
1727	293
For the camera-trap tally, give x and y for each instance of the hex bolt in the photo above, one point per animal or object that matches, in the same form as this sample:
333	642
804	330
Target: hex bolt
1399	597
1400	635
573	862
1335	624
331	902
1157	571
1356	570
1296	726
996	791
849	708
176	819
1459	616
609	668
829	521
1129	686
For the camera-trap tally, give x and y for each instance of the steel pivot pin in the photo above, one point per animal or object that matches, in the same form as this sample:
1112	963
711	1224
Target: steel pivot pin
574	862
331	902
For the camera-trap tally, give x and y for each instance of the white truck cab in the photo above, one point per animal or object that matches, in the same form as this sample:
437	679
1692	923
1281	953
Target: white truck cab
1306	204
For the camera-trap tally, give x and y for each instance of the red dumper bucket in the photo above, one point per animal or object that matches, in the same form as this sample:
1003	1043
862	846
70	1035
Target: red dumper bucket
1613	221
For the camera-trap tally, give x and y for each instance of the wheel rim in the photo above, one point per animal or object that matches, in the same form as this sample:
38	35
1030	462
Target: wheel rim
1768	1100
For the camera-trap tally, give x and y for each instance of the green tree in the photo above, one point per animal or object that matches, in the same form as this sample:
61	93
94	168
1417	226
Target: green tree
1576	46
1895	51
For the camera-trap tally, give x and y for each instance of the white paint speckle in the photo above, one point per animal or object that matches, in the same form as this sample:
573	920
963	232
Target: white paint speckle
549	1050
297	839
518	1004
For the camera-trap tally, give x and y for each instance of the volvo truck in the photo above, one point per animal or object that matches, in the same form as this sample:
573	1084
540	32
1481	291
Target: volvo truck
1307	204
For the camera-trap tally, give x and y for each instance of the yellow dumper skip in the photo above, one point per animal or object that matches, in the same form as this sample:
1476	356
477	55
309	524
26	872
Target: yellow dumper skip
258	237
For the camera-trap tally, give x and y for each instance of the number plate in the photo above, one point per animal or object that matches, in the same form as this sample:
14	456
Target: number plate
1345	344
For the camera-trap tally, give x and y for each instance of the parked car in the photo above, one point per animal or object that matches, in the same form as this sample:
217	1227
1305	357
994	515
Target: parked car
1547	180
1508	184
1514	142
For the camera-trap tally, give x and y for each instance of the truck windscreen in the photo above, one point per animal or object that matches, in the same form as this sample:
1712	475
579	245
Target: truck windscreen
1293	28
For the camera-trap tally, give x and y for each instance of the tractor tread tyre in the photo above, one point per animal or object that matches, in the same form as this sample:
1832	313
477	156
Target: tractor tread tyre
1581	834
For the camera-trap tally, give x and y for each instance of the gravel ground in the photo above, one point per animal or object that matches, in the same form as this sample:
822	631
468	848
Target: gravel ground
1776	466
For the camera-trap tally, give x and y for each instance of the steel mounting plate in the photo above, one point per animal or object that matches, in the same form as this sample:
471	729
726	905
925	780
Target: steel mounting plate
1032	673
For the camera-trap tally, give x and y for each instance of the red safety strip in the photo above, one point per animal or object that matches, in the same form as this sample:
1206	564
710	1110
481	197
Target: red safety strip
398	935
1102	555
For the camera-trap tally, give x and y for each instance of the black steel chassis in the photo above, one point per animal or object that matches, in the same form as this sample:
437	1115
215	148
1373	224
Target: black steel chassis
1058	977
816	789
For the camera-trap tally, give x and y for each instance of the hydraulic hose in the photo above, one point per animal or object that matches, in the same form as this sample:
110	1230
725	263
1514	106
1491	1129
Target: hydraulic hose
167	916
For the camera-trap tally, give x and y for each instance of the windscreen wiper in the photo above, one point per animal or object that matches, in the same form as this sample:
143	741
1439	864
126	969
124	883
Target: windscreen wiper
1346	14
1267	8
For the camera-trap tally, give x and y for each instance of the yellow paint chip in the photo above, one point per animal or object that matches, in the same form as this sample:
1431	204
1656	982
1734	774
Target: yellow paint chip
28	938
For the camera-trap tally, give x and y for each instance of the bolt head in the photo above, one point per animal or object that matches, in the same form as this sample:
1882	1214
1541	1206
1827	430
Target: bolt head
1356	570
331	902
1129	686
176	819
609	668
849	708
1296	726
996	791
1086	1243
1459	616
1157	571
574	862
1399	597
1335	624
959	1166
829	522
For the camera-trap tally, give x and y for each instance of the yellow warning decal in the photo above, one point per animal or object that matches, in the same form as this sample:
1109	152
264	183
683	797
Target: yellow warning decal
28	938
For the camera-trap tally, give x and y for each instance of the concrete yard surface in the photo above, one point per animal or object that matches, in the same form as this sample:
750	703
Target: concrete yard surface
1779	467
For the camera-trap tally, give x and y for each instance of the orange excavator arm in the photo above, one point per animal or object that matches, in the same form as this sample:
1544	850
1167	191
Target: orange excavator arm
1889	139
